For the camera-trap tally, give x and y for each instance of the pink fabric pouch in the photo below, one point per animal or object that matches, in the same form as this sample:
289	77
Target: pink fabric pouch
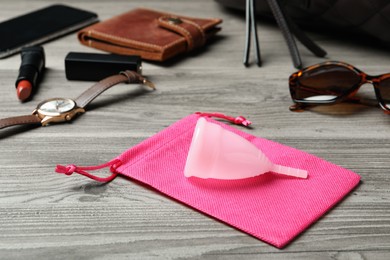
270	207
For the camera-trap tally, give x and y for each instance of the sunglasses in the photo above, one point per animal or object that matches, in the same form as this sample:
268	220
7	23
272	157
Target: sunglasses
333	82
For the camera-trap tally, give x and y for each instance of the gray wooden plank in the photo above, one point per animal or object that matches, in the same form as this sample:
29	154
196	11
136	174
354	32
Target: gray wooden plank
45	215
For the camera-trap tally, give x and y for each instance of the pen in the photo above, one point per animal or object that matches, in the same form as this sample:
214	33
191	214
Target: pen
30	71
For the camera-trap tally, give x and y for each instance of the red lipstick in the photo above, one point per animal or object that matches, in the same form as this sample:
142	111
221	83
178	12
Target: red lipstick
30	71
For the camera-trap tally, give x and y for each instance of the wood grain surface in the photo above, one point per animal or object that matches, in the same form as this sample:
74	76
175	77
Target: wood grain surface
44	215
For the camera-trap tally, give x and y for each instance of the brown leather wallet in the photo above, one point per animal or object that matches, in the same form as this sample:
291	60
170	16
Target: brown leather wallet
151	34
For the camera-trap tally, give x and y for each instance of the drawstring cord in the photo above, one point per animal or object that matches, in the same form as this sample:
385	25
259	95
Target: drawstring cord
240	120
71	168
114	164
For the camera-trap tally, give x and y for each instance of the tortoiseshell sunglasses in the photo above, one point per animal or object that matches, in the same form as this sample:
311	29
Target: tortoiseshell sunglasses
332	82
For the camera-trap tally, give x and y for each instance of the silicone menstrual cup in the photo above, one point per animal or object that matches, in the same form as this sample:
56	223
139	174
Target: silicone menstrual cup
221	154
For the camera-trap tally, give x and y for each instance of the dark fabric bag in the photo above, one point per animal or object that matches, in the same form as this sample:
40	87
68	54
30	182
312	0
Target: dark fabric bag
367	17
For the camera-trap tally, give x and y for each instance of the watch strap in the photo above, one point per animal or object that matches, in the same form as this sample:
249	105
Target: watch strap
125	76
19	120
84	99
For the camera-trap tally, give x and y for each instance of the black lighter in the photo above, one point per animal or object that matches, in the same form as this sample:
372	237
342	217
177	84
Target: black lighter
96	66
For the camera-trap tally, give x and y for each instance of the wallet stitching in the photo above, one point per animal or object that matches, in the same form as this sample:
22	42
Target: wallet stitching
187	34
199	28
132	41
211	22
122	39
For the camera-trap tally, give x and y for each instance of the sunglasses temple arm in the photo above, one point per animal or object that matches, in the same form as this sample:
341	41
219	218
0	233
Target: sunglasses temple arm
304	39
281	21
247	34
288	28
254	29
251	26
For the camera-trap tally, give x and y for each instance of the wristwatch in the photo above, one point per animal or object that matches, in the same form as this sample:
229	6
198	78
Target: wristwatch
57	110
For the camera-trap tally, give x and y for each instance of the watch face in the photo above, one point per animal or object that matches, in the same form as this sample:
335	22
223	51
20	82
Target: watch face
56	106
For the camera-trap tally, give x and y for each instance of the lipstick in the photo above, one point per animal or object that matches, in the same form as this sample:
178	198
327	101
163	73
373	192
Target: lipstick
30	71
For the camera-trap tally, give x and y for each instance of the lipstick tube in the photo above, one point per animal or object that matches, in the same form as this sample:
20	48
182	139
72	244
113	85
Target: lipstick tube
30	71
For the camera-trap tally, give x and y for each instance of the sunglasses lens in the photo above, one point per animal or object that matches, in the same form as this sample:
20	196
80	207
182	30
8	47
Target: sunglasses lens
325	84
384	89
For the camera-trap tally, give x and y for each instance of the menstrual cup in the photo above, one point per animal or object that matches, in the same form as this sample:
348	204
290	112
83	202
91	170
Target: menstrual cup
221	154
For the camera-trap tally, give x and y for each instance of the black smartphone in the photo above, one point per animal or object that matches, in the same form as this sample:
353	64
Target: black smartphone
41	26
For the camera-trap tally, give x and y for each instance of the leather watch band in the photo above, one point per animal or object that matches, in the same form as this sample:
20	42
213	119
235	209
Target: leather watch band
19	120
90	94
83	100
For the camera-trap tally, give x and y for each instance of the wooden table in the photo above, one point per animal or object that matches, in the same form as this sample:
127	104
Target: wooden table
45	215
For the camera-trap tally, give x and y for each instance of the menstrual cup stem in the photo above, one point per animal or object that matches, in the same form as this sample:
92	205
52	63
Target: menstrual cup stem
289	171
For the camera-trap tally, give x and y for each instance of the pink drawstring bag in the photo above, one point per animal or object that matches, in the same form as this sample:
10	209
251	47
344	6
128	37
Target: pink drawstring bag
271	207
